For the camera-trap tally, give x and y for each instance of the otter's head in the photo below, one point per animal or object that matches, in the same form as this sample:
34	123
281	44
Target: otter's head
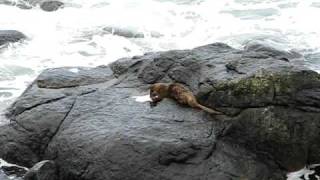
158	91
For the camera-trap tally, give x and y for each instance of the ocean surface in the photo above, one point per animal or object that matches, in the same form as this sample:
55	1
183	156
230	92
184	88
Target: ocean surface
79	34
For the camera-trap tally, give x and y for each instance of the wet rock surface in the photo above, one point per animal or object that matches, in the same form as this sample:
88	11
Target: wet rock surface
10	36
73	77
51	5
19	4
91	127
14	170
44	170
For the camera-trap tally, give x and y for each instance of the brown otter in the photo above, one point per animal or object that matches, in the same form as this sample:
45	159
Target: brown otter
178	92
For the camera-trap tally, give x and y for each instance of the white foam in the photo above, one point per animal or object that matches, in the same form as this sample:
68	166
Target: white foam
74	35
301	173
4	163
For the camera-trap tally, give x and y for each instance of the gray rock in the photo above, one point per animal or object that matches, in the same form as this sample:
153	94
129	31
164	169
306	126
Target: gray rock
10	36
34	2
51	5
46	5
91	126
20	4
14	170
44	170
130	33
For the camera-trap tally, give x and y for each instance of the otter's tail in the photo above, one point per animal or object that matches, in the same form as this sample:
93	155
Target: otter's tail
211	111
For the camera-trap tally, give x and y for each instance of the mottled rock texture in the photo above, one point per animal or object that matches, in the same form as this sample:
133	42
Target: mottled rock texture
51	5
10	36
44	170
87	122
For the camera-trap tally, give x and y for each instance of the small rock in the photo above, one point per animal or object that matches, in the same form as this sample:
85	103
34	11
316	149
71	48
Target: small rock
14	170
19	4
232	66
51	5
44	170
10	36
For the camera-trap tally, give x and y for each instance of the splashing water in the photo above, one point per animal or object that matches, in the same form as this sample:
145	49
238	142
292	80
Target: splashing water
77	34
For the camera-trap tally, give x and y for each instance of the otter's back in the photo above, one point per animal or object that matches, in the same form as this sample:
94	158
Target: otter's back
179	92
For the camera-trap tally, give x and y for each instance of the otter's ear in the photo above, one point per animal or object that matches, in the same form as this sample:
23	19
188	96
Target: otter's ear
151	86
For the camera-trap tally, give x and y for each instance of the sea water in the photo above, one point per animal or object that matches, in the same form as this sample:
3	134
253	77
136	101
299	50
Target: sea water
75	35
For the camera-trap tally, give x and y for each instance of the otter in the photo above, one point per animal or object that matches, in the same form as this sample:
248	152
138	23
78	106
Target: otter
178	92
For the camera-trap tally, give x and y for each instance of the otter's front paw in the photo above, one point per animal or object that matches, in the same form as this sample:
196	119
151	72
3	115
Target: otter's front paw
152	104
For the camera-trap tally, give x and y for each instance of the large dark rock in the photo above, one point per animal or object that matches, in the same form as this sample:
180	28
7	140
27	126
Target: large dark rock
89	124
10	36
